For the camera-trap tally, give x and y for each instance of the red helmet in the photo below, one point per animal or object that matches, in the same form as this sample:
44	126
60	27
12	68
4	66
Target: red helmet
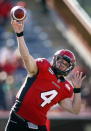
66	55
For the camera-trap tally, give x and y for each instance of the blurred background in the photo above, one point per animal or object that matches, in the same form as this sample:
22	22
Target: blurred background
50	25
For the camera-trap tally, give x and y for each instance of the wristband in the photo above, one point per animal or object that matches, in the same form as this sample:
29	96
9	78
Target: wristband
77	90
19	34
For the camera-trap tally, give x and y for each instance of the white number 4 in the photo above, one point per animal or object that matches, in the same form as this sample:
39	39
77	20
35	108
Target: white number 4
52	94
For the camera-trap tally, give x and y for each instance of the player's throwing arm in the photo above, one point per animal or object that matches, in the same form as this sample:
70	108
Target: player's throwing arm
29	61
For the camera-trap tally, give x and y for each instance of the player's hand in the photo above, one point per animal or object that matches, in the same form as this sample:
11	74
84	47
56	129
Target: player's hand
77	79
17	26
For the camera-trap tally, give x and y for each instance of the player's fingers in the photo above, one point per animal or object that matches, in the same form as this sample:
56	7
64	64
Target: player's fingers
80	75
77	74
83	77
12	22
22	22
11	18
17	23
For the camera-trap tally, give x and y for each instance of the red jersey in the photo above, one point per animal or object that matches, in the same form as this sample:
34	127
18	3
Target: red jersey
40	92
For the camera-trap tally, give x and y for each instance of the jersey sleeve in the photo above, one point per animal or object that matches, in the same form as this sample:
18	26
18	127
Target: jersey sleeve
42	64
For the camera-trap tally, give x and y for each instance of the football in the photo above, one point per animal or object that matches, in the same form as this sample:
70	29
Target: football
18	13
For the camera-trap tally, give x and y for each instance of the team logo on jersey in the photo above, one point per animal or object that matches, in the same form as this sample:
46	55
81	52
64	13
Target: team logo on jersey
51	71
67	86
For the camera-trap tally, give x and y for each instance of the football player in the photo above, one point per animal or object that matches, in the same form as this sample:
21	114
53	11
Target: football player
44	86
